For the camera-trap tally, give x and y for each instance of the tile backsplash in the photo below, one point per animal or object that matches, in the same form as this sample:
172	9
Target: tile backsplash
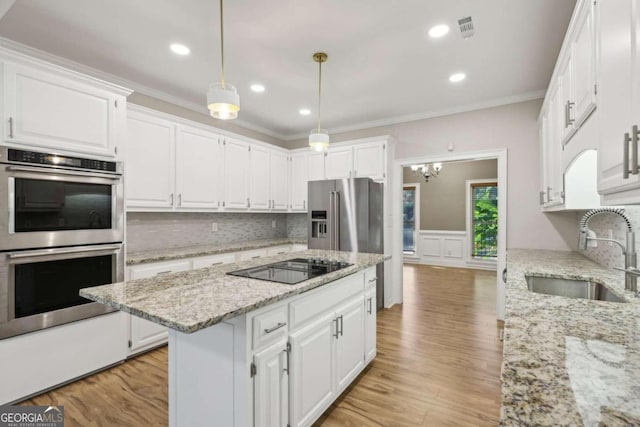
610	255
150	230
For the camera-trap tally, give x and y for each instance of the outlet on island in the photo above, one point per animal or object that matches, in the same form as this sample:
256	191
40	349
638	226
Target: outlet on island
214	227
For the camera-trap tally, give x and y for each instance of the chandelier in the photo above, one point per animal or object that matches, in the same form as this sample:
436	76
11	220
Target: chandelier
427	171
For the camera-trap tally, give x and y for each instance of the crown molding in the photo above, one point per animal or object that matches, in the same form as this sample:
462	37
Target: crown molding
111	78
497	102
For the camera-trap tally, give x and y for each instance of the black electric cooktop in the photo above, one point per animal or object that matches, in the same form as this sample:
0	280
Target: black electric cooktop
291	271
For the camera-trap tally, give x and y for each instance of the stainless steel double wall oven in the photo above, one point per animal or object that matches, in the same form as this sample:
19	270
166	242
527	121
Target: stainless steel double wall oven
61	229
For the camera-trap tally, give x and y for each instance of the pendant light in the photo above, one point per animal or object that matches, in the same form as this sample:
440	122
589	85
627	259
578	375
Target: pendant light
318	137
223	100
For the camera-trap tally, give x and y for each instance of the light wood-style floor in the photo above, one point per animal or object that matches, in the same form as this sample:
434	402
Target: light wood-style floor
438	364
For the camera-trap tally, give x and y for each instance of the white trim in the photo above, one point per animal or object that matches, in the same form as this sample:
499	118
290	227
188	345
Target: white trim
416	215
468	184
201	108
430	114
443	232
501	155
13	47
351	142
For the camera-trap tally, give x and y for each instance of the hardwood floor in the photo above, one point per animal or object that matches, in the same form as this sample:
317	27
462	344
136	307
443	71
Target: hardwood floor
439	356
438	364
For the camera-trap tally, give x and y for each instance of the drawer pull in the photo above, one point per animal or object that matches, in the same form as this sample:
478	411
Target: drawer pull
164	272
217	263
373	280
255	257
370	305
275	328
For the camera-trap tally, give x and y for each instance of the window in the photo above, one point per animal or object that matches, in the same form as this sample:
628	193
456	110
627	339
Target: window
409	209
484	220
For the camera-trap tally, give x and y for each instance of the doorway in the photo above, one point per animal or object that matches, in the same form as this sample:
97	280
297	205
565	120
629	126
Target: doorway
410	218
490	232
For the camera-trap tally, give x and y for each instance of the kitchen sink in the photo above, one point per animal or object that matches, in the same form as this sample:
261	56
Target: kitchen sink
571	288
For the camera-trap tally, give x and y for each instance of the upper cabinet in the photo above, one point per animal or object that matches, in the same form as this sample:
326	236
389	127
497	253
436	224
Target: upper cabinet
237	172
56	110
170	166
619	101
338	163
279	180
316	166
370	160
299	171
568	121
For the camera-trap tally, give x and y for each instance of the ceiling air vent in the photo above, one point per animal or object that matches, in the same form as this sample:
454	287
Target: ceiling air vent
466	27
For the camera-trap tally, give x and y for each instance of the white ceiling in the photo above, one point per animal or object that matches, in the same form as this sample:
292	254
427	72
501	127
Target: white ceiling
382	68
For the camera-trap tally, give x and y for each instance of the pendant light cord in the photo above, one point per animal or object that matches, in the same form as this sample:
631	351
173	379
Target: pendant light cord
222	43
319	90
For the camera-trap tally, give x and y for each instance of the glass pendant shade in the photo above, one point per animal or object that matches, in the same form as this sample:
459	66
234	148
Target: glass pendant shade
223	101
319	139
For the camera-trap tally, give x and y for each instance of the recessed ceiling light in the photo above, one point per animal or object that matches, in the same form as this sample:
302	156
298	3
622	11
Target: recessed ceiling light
457	77
257	87
179	49
438	31
304	111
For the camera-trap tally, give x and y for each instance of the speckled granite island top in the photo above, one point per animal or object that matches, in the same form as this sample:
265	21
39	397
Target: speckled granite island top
144	257
196	299
568	362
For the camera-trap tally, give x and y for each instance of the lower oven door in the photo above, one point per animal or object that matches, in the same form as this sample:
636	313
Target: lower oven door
40	288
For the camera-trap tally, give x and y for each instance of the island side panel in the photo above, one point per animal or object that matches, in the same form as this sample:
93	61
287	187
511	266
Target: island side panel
201	377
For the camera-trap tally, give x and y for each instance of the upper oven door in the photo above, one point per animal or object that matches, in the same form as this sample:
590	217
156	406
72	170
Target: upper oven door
48	207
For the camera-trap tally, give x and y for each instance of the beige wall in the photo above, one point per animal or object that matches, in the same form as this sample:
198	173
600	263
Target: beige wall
513	127
185	113
443	199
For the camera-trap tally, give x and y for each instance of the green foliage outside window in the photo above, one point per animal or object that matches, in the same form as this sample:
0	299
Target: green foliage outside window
485	220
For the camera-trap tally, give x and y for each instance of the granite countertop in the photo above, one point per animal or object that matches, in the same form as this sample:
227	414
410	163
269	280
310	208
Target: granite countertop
568	361
144	257
196	299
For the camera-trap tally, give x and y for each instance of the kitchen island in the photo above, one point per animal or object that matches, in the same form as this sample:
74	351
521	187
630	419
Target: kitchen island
568	361
237	345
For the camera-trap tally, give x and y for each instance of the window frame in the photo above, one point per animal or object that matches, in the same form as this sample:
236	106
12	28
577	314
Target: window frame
416	224
470	183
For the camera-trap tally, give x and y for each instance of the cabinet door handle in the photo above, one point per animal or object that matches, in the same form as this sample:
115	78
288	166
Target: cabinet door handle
304	204
275	328
160	273
337	334
570	106
373	280
341	325
370	305
11	127
217	263
180	199
549	194
634	150
287	350
171	199
542	193
625	156
248	204
566	114
255	257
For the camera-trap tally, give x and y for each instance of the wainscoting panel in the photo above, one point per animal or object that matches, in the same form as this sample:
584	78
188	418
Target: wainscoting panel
446	248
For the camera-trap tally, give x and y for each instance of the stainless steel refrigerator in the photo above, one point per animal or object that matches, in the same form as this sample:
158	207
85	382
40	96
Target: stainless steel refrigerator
347	215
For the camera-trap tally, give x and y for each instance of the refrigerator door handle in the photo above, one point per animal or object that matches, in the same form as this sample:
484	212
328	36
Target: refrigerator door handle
331	220
336	221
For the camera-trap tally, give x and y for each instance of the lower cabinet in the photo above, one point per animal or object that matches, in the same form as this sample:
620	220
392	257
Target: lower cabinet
272	386
349	346
313	370
370	324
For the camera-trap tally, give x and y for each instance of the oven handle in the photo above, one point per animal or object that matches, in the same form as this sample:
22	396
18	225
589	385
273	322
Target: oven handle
62	251
113	177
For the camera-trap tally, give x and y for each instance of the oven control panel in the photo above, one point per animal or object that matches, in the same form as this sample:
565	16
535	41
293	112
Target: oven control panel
37	158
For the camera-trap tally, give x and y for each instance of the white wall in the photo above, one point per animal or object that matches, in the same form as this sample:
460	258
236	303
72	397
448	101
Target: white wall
512	126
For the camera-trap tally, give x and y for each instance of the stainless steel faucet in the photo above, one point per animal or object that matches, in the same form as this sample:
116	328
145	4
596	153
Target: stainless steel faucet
629	251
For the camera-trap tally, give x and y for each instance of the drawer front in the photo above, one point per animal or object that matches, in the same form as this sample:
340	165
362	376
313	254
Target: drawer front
158	269
270	327
278	250
323	299
212	261
370	277
255	254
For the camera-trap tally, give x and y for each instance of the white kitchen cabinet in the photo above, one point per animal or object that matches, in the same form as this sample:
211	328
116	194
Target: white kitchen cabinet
198	164
54	109
552	150
252	255
584	64
370	324
312	370
350	343
370	161
271	386
213	260
259	171
299	181
149	163
279	250
566	105
316	163
236	174
618	100
279	180
339	163
144	334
